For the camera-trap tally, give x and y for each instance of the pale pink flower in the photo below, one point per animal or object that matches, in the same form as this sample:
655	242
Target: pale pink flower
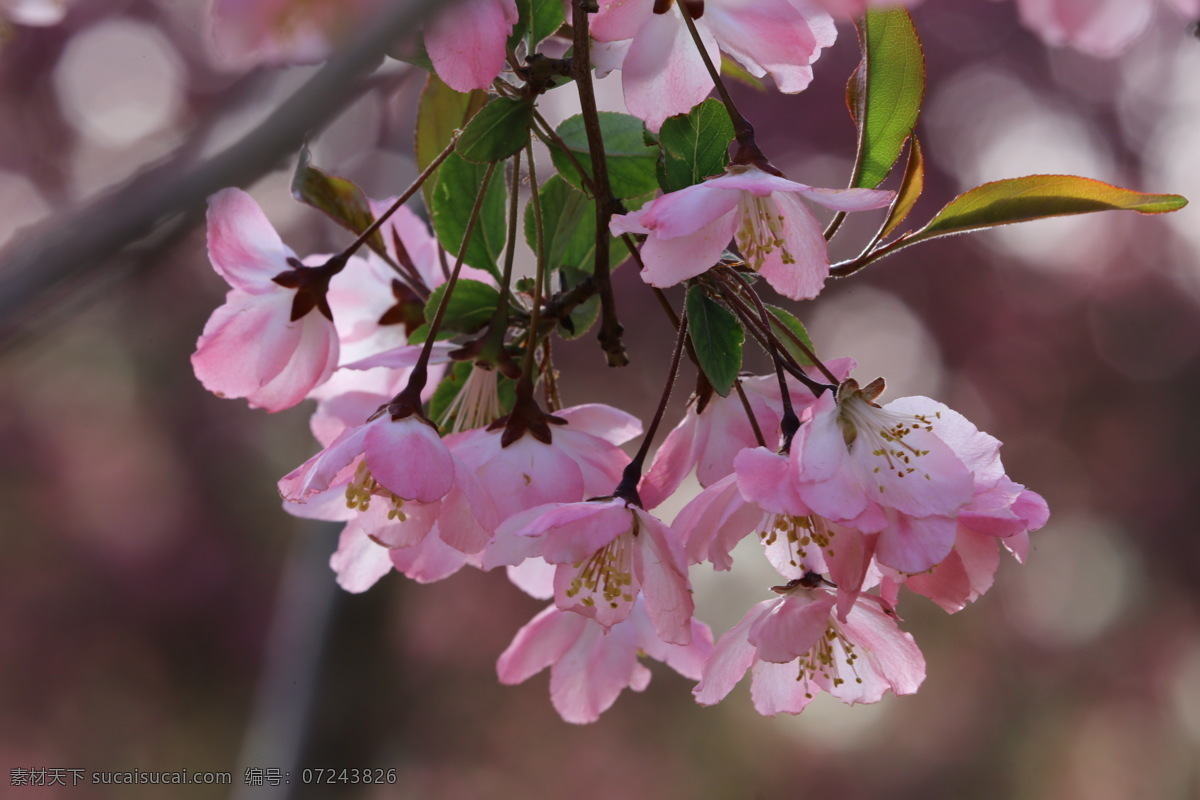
760	497
897	469
395	460
662	72
797	647
589	664
369	302
466	42
1101	28
1002	515
778	236
274	339
245	32
607	551
580	461
715	429
36	13
846	9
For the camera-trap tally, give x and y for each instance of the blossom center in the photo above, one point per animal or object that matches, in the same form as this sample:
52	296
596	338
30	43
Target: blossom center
832	656
798	535
364	485
760	230
883	435
607	573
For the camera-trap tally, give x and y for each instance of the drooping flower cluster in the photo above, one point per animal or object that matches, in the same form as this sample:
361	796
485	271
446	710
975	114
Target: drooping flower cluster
444	443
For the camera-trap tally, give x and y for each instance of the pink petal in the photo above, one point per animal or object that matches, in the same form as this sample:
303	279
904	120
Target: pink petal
688	660
686	211
672	462
663	74
242	244
429	560
772	35
409	458
534	577
359	562
670	261
775	689
914	544
1099	27
605	422
714	522
659	567
804	276
620	19
792	626
577	530
766	478
467	42
313	360
591	674
322	470
730	659
540	643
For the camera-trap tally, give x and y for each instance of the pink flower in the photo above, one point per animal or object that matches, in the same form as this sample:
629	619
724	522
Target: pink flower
607	551
1101	28
274	338
589	664
845	9
890	469
34	12
467	42
1004	514
663	73
761	498
580	461
778	236
395	460
246	32
715	429
797	647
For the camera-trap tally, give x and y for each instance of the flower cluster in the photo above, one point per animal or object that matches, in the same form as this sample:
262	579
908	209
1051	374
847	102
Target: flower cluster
443	439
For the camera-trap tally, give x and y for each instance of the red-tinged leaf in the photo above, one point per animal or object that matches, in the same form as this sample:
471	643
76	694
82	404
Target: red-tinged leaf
339	198
1038	197
910	190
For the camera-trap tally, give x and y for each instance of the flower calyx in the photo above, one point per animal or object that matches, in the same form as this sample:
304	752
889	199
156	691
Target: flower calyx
526	417
311	285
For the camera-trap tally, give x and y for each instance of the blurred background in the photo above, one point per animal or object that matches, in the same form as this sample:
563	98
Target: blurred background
161	613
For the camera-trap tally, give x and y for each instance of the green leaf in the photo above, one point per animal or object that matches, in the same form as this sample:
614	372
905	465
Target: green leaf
885	92
339	198
453	196
500	129
732	69
471	305
910	190
1038	197
569	229
581	319
631	162
440	112
695	145
539	19
717	337
452	384
783	323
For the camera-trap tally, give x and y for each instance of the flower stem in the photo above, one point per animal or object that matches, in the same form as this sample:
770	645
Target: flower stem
526	383
610	326
408	401
401	200
627	488
737	384
748	151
